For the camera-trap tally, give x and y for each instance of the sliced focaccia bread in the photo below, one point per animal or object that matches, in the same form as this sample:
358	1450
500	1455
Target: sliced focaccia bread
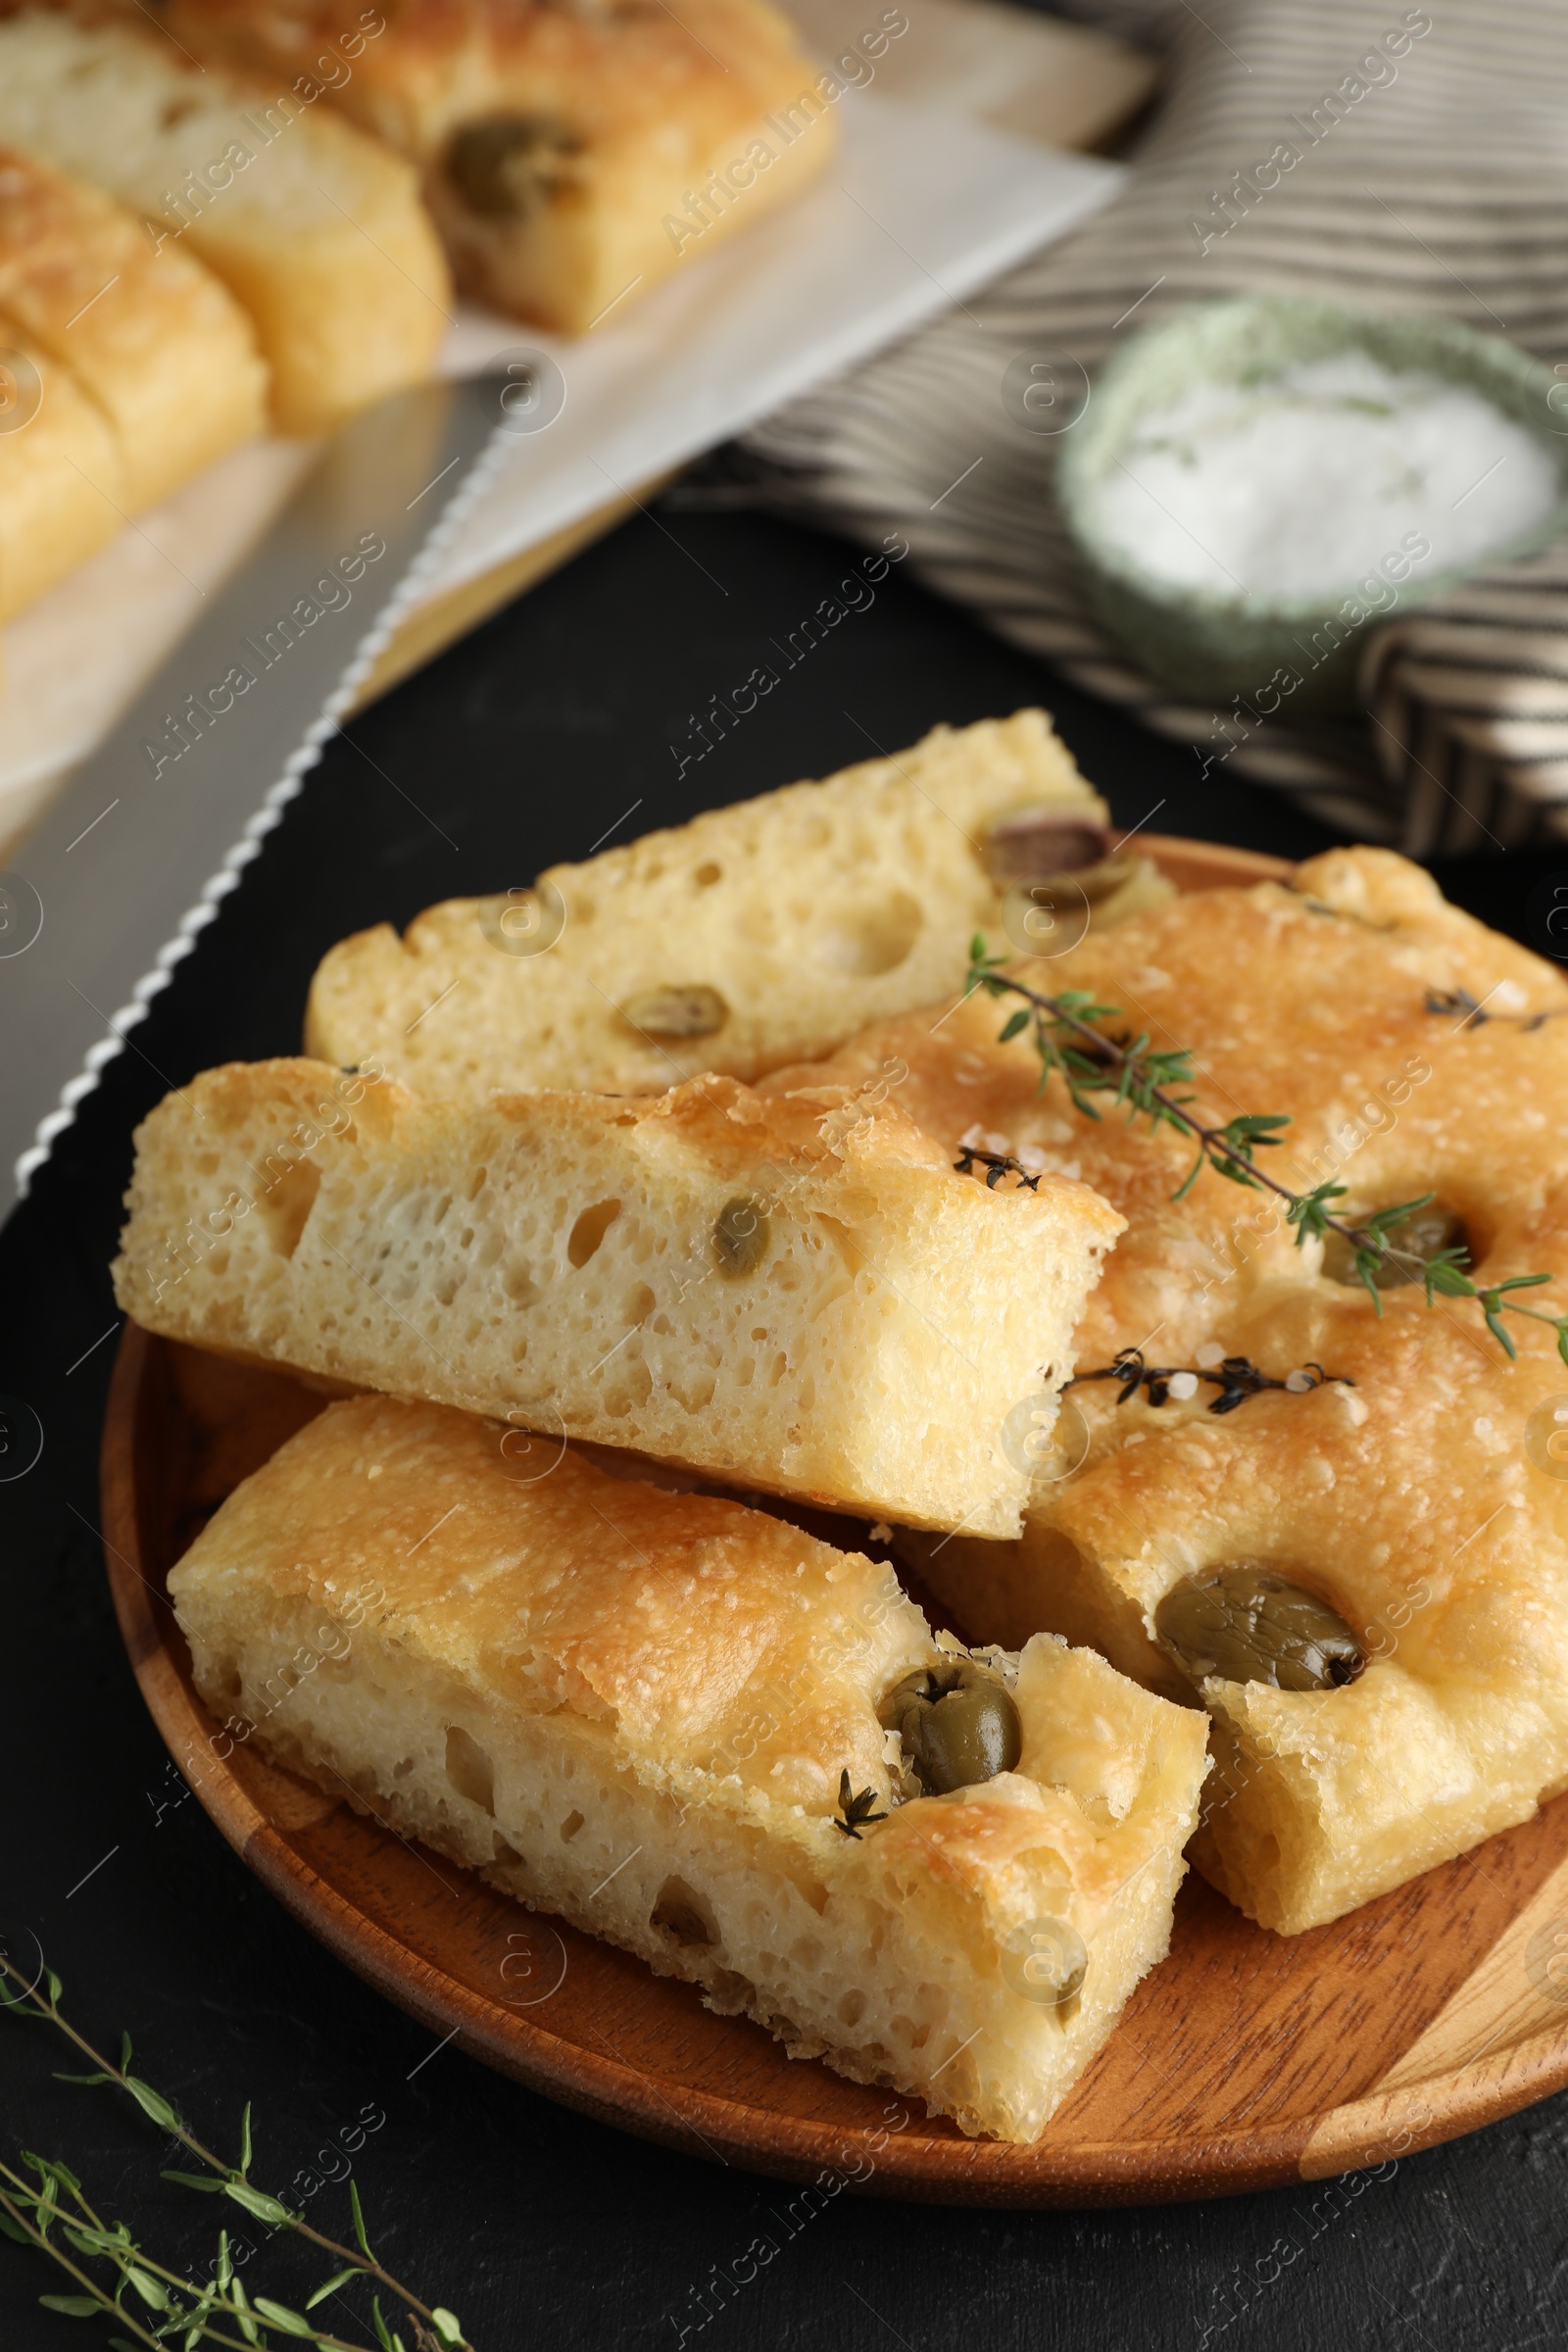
153	338
754	936
317	230
691	1728
796	1293
572	157
1337	1521
59	474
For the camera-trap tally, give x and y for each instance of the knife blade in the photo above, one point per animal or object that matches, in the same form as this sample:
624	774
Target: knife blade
130	861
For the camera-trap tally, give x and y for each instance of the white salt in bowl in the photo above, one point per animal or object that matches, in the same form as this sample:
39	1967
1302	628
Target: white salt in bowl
1258	484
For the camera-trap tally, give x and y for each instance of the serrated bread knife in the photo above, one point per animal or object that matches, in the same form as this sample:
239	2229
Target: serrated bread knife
112	885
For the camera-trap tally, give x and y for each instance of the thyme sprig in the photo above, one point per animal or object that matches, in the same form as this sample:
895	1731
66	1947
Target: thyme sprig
857	1810
1236	1377
51	2212
1145	1080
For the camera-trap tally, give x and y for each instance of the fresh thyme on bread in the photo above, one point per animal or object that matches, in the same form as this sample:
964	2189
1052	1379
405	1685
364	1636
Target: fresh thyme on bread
638	1709
796	1293
1398	1493
753	936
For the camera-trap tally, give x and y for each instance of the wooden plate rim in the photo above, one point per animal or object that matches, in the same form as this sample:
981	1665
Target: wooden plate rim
1341	2139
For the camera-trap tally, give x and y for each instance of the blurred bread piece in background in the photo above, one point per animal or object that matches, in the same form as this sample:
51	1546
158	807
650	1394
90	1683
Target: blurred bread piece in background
59	472
571	156
317	230
155	342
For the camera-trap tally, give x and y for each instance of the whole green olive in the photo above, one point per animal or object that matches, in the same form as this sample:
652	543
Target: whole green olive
740	1236
1248	1625
1420	1235
958	1724
503	165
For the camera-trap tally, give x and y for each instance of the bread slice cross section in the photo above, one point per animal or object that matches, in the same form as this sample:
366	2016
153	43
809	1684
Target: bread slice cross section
795	1293
634	1708
754	936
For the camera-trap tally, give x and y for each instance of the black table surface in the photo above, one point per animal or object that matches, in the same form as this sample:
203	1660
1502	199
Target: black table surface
549	729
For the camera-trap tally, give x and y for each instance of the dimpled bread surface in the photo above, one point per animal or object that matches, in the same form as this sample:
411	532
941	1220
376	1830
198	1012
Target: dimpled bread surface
317	230
1412	1502
632	1708
803	914
623	114
795	1293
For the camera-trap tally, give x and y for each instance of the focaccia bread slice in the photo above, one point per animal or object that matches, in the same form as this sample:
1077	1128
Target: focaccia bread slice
793	1294
756	935
317	230
633	1709
59	475
1423	1504
154	339
572	157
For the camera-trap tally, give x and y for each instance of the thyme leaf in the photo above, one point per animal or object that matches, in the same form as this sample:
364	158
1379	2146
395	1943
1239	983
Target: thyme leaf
51	2212
996	1164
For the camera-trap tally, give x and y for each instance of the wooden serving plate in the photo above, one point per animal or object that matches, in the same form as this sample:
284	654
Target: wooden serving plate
1247	2061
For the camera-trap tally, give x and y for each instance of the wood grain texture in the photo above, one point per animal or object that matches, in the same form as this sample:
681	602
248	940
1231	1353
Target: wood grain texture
1248	2060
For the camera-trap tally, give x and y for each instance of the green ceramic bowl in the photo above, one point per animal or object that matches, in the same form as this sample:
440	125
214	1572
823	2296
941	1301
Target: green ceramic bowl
1208	648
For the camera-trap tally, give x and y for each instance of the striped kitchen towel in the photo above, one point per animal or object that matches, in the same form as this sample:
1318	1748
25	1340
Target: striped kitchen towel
1430	174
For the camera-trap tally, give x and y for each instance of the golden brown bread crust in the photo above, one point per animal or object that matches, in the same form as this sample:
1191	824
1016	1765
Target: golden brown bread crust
57	477
634	106
153	338
633	1707
1411	1500
614	69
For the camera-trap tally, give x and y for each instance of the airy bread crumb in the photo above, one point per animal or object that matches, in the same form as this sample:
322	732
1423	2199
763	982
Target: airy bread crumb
754	936
794	1293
